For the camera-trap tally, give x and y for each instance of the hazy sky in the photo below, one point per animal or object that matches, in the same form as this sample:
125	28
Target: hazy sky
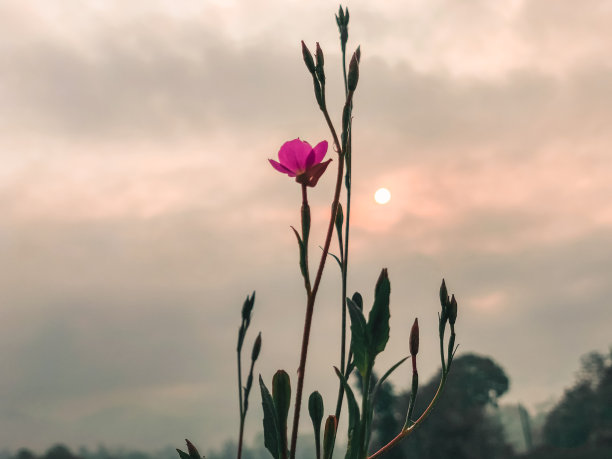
139	209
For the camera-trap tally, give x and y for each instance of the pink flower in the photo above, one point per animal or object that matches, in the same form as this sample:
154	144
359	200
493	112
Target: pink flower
298	159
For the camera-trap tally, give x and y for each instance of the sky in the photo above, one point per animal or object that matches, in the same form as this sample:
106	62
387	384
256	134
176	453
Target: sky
139	208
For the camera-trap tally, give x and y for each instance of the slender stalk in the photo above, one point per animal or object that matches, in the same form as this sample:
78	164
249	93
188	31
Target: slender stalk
344	253
305	235
442	350
315	288
365	413
241	432
416	424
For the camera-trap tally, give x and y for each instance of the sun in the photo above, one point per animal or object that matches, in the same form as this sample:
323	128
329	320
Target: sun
382	196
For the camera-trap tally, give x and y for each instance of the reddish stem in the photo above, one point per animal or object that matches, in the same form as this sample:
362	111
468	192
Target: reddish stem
315	288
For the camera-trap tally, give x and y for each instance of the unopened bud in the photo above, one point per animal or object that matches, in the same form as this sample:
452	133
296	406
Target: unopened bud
308	58
358	54
319	67
193	452
256	348
414	338
452	311
329	435
247	307
319	55
339	217
353	74
443	295
340	15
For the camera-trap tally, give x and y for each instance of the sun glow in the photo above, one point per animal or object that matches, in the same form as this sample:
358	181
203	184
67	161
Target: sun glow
382	196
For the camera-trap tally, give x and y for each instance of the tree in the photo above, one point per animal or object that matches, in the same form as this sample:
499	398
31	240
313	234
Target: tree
584	414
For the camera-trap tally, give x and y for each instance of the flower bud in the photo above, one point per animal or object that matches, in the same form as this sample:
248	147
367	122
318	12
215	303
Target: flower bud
414	338
329	436
247	307
193	452
308	58
443	295
452	311
358	54
319	67
353	74
256	348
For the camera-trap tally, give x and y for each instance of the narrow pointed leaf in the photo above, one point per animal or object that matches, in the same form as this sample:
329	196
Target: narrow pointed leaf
359	337
337	259
378	319
270	423
384	377
302	247
183	454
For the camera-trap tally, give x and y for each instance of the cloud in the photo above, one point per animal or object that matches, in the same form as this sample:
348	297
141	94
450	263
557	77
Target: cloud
139	209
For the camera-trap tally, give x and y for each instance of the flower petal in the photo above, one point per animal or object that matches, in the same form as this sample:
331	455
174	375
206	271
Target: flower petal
279	167
293	154
310	160
320	150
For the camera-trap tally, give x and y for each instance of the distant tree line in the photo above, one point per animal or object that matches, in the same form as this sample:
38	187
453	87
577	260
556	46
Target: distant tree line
466	424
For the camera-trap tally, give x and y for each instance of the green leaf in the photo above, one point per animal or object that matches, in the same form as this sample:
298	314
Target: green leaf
359	337
339	222
182	454
354	428
302	247
315	409
358	300
384	377
270	422
337	259
281	394
378	320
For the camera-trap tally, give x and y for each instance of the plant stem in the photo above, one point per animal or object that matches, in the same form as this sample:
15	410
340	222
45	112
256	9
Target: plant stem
365	413
409	430
347	220
240	434
305	235
315	288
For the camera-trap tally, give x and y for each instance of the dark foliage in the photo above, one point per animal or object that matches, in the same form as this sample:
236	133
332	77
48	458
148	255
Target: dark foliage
584	414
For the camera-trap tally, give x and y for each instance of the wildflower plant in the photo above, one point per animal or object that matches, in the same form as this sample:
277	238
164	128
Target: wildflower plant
368	336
